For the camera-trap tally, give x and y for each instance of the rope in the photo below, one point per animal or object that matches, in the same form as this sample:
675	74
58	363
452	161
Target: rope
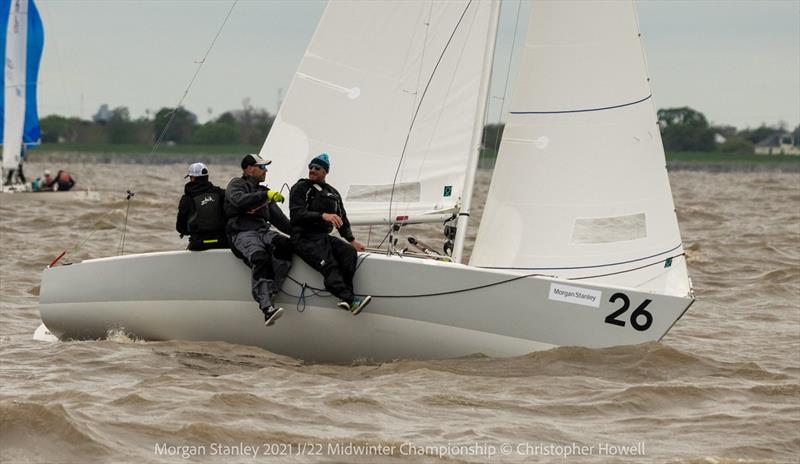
302	299
77	248
628	270
479	287
173	114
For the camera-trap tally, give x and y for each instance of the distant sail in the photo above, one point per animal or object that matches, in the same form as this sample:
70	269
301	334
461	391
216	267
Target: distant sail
22	42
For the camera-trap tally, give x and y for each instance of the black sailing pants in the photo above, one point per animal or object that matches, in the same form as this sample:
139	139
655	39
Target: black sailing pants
334	258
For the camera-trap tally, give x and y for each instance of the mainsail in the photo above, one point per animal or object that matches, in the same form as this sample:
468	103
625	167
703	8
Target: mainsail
22	41
580	187
391	90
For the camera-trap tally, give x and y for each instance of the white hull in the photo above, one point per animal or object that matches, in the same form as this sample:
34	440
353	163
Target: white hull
205	296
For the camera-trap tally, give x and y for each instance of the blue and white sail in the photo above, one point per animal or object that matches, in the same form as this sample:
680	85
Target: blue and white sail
22	43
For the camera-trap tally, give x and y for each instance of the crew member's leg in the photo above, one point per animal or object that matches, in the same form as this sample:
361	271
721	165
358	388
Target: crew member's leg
346	257
281	252
317	253
255	254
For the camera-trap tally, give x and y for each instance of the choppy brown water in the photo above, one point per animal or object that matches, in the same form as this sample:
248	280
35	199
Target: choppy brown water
724	385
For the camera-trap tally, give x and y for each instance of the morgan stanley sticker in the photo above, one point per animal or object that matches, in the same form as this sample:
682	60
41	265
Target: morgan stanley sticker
576	295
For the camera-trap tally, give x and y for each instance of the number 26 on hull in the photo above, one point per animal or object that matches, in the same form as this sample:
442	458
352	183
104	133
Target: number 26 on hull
640	318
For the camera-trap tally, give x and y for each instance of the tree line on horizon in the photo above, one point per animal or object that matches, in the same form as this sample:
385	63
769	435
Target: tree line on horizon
245	126
682	129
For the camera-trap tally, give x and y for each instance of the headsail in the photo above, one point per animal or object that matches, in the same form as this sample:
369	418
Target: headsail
390	90
22	42
580	187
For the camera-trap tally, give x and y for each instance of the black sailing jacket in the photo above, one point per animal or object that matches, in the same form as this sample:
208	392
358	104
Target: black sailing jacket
247	208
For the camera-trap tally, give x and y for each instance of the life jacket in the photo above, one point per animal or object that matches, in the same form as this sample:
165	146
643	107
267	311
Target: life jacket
208	215
321	200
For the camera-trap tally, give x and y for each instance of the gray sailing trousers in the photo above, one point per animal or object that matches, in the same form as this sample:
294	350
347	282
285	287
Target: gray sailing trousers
269	256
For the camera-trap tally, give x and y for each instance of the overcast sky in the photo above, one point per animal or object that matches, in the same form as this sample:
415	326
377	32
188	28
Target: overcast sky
738	62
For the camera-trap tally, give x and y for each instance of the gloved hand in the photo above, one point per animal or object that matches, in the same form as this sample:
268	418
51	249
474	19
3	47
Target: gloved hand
275	196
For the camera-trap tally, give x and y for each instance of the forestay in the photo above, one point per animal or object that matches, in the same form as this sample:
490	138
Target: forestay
368	69
21	42
580	187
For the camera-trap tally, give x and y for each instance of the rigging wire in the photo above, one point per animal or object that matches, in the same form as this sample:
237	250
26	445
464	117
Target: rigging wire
416	112
172	116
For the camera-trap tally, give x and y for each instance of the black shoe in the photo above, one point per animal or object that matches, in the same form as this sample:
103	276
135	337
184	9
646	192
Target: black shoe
272	314
359	303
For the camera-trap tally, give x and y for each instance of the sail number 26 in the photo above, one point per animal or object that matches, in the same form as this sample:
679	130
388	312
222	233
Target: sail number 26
636	316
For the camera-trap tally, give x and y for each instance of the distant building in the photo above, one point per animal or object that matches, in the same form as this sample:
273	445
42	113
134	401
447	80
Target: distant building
780	143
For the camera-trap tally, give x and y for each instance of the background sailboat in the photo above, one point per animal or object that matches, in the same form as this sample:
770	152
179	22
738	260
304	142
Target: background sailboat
412	60
22	41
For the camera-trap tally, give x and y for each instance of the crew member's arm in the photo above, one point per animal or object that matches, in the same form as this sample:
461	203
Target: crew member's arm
298	212
242	200
182	223
278	219
344	229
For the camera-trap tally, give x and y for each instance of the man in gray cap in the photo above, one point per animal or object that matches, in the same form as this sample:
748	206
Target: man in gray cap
251	210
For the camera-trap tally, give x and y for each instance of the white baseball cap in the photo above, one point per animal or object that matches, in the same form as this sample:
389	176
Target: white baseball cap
197	170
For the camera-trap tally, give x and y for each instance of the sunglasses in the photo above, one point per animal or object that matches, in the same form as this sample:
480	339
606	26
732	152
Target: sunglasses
315	167
263	167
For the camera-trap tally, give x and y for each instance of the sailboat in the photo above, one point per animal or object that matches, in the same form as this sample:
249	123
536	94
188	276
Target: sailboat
579	243
22	42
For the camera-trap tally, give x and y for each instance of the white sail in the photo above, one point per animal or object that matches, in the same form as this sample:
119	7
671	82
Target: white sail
15	86
580	187
385	85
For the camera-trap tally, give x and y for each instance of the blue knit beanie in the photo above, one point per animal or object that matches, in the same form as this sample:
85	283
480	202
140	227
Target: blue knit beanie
322	160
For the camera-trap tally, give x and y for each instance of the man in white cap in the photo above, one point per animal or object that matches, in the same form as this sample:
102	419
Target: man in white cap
46	184
251	210
201	214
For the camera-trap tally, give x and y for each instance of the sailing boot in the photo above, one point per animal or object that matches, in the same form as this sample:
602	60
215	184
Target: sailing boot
343	305
359	303
272	314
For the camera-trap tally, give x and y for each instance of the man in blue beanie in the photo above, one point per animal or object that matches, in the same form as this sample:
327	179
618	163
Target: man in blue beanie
315	208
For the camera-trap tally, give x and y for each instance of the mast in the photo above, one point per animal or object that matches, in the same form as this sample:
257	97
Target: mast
472	161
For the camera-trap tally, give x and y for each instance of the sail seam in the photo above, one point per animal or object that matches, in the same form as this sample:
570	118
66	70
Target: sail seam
584	110
583	267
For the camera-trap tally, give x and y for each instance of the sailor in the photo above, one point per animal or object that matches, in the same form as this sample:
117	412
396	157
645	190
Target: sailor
61	182
201	214
19	173
251	210
46	183
315	209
